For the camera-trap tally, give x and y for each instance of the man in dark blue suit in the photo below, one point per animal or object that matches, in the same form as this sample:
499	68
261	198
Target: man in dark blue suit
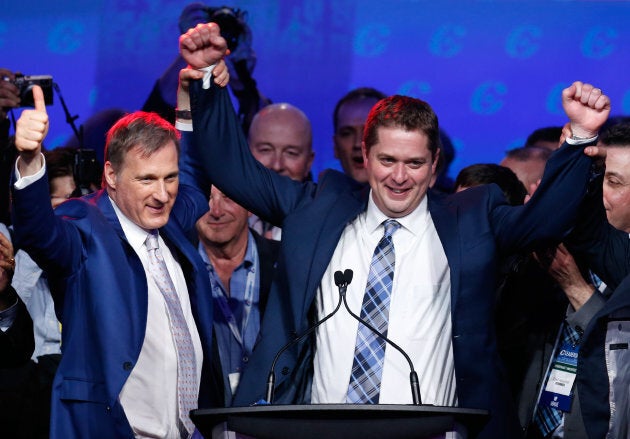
129	334
446	250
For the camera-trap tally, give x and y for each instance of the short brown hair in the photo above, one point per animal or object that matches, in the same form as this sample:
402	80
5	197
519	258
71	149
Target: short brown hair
404	112
148	131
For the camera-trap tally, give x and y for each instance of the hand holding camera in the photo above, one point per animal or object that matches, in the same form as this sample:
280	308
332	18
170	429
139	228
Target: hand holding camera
9	93
16	90
25	85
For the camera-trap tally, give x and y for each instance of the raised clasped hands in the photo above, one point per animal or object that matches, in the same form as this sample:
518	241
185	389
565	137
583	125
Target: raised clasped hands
202	45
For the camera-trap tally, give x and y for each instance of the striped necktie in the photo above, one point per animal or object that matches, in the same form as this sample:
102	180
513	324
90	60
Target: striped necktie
369	353
548	418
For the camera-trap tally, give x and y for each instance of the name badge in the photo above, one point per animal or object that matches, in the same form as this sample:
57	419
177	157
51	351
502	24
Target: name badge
557	393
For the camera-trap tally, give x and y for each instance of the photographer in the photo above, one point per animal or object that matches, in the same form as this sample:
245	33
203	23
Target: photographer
9	99
240	62
15	92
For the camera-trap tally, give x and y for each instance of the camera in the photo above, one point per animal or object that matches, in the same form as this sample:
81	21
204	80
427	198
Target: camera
86	170
230	22
25	86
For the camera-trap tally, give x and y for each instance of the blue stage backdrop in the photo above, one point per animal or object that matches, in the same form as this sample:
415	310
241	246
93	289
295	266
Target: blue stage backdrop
493	70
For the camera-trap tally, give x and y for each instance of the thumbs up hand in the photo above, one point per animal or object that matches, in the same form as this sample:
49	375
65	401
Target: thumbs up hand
30	131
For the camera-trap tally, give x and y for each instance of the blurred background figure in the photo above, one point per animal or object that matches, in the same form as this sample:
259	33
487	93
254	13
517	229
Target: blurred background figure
280	137
486	173
528	163
9	99
349	116
547	137
241	63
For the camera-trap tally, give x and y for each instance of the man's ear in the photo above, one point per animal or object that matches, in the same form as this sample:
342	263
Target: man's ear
436	159
364	153
109	174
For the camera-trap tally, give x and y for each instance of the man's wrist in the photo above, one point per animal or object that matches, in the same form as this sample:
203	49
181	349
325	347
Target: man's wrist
581	133
183	114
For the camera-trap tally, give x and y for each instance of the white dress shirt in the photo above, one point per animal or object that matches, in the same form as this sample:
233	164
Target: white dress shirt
419	316
149	396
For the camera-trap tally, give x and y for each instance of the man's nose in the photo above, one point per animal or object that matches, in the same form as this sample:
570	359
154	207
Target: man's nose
216	207
278	163
399	173
161	192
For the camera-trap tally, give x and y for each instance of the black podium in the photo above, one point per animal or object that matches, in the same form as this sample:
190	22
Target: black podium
343	421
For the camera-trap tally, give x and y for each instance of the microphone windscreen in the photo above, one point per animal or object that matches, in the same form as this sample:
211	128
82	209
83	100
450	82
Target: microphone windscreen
348	276
339	277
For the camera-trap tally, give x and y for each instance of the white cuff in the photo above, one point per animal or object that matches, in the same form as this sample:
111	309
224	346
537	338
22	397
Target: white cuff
572	141
22	182
207	76
184	126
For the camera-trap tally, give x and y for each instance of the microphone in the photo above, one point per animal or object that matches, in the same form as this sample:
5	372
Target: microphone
413	376
342	280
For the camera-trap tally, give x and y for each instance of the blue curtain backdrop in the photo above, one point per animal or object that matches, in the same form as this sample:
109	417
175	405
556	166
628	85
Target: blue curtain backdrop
493	70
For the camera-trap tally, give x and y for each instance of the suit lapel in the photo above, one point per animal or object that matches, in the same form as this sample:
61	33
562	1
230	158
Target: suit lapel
445	217
343	210
105	206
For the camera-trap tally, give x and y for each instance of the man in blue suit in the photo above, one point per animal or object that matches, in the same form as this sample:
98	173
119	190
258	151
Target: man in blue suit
446	251
130	334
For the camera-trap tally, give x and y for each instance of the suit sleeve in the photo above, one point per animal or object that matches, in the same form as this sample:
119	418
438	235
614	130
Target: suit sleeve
550	214
225	155
194	185
52	243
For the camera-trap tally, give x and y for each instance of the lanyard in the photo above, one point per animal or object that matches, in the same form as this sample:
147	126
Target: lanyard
248	299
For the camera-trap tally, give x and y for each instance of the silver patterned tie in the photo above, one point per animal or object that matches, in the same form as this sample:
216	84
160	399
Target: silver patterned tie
186	365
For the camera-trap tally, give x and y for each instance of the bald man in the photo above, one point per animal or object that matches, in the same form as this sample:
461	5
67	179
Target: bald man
280	137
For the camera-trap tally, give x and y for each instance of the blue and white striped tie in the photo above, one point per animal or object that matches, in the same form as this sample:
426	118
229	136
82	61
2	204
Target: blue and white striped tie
369	353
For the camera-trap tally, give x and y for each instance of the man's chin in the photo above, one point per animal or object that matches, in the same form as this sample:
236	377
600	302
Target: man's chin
155	222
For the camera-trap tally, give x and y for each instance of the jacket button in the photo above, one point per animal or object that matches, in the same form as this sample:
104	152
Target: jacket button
127	365
285	370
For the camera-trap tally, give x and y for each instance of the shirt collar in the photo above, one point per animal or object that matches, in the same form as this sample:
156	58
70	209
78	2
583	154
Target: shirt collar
250	254
135	234
374	217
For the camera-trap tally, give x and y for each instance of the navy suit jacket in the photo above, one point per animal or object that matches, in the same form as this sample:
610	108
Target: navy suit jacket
100	291
476	227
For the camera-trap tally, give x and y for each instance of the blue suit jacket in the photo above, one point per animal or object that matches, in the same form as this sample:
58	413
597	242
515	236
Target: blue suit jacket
476	227
100	292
